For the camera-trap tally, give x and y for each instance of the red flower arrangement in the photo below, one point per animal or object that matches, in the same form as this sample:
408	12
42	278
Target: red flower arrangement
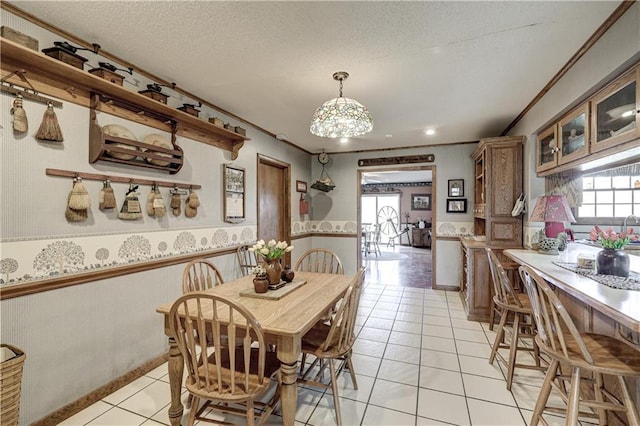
611	239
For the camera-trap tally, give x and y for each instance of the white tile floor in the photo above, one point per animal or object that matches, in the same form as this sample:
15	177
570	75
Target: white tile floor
417	360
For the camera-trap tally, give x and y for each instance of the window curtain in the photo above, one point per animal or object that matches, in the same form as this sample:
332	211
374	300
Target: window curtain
628	170
568	185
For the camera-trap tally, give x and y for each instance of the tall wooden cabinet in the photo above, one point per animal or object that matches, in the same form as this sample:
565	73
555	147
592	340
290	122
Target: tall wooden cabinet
498	184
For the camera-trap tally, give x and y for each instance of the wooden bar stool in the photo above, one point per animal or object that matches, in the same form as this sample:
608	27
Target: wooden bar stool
597	354
509	302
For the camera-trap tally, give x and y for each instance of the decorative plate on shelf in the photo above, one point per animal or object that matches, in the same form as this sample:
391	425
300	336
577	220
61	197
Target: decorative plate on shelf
158	140
618	111
119	131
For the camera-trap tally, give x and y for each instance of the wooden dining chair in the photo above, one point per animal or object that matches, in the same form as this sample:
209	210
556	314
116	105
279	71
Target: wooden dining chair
331	342
226	376
200	274
246	259
319	260
511	303
584	354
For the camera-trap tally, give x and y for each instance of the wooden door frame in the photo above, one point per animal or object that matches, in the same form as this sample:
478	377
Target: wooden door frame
263	159
434	201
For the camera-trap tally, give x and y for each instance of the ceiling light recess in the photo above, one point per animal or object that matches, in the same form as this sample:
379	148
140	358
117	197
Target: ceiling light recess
341	117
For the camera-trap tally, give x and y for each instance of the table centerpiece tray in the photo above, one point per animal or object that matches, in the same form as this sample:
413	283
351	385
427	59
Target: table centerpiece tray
276	291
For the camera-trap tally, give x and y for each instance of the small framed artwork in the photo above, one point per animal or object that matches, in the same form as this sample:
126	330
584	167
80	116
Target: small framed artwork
456	206
233	198
301	186
456	187
420	201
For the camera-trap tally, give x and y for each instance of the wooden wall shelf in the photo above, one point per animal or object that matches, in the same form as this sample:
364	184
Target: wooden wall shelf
101	145
55	78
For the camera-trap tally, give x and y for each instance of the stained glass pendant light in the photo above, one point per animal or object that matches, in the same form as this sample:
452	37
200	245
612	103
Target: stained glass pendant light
341	117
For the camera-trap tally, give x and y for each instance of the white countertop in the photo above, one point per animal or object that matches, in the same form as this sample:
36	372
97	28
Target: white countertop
622	305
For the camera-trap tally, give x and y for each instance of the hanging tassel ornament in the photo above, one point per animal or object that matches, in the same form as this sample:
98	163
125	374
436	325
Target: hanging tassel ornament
79	198
131	207
158	203
191	205
20	122
107	197
50	129
72	214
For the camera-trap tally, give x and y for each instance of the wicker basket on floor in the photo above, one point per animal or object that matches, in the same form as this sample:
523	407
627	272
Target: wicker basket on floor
10	383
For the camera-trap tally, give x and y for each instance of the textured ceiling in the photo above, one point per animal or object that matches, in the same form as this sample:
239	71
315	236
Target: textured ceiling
466	69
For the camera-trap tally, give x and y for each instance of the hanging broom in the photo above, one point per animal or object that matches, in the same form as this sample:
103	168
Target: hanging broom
72	214
191	205
158	204
107	197
150	211
79	198
50	129
20	122
175	202
189	211
193	200
131	207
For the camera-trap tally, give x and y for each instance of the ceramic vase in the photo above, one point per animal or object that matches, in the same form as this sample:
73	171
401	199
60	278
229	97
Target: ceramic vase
274	270
260	284
287	274
612	262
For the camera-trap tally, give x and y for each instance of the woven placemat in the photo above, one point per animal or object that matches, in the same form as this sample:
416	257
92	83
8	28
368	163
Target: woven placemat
631	283
275	294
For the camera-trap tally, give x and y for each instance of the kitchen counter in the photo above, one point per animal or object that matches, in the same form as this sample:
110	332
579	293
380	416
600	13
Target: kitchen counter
594	307
621	305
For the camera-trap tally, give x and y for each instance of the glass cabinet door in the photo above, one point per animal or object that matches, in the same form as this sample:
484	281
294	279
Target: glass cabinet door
547	149
615	113
573	135
479	185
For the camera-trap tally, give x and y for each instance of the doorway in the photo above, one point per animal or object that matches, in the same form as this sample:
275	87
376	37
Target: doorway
273	195
407	249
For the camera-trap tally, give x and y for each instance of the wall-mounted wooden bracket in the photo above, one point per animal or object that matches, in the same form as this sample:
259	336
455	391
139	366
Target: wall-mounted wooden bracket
119	179
26	92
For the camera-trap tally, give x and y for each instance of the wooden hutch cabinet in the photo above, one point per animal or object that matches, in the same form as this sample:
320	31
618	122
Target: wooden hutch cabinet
498	184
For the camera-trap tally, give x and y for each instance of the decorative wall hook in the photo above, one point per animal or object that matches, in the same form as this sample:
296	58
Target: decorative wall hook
72	91
26	92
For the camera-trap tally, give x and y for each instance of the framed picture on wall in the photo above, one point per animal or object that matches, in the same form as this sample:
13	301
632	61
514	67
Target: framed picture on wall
233	193
456	187
301	186
456	206
420	201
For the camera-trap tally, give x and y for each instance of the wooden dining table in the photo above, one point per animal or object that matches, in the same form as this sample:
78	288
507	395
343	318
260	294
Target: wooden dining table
284	322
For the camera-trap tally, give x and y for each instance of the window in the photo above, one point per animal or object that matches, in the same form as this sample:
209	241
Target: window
383	210
611	194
